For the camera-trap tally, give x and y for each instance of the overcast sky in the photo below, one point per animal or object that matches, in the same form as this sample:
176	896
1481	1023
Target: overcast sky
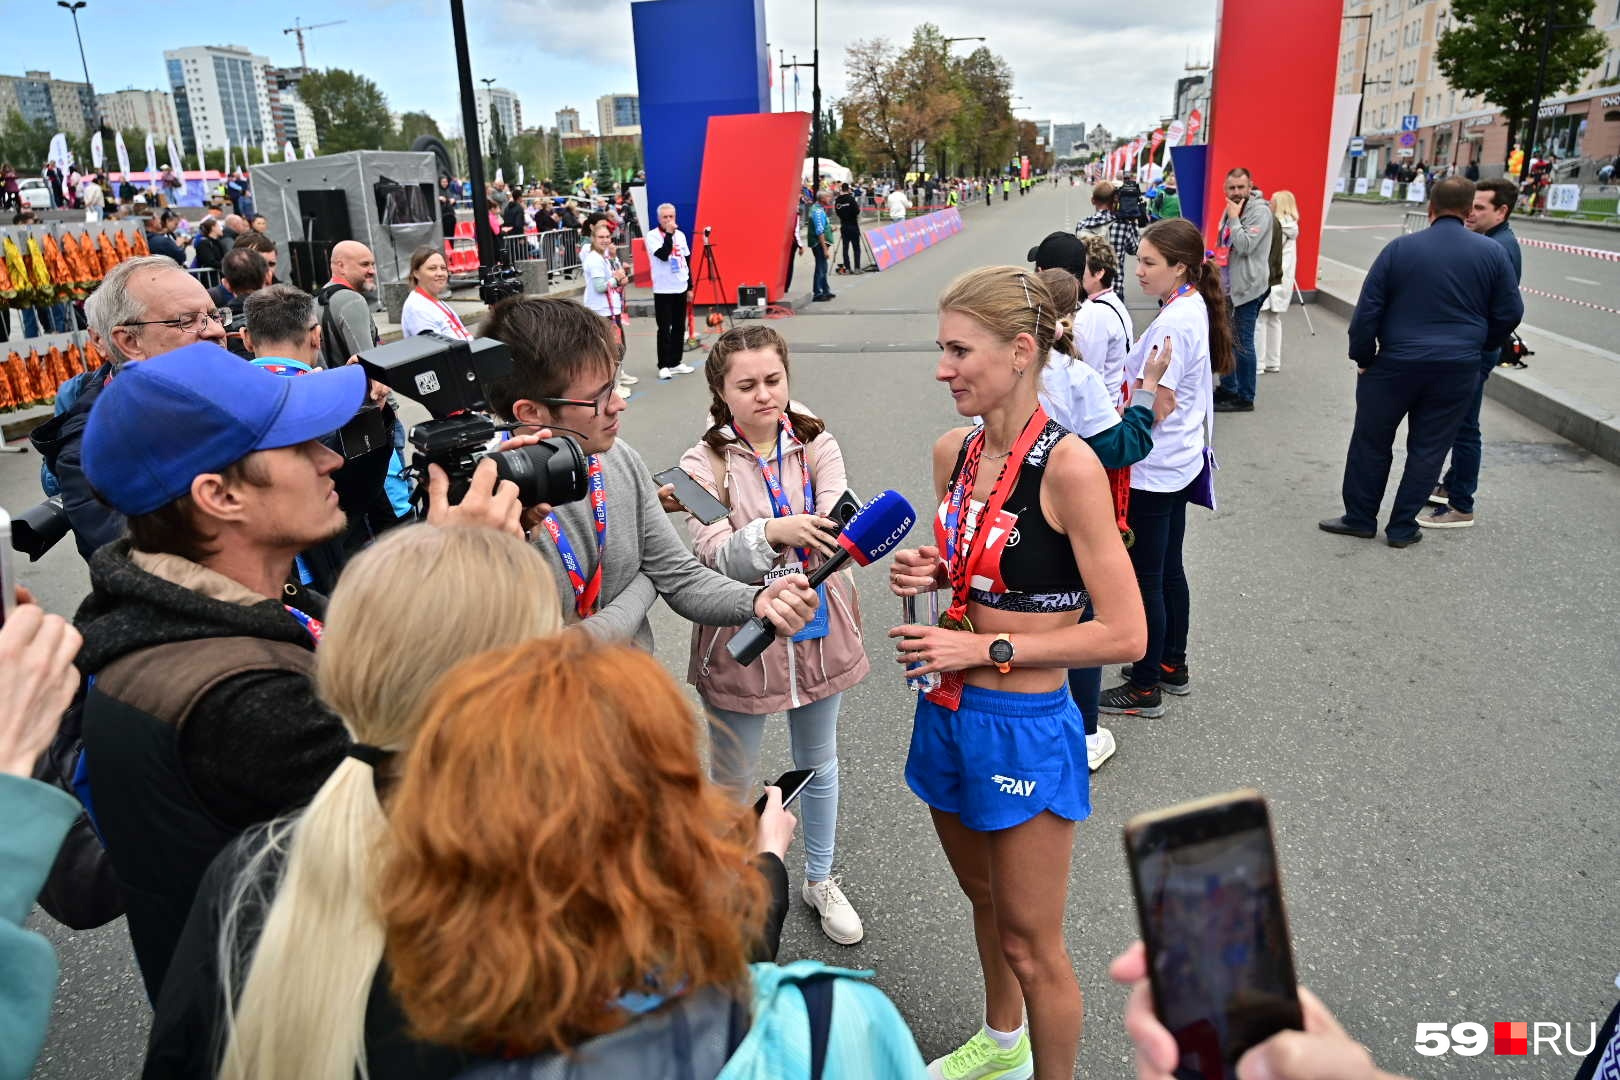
1112	62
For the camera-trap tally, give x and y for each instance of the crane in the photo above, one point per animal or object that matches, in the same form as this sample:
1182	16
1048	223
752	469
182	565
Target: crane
298	29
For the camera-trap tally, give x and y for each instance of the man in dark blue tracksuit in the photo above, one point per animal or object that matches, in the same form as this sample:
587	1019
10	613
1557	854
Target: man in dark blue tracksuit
1454	498
1433	303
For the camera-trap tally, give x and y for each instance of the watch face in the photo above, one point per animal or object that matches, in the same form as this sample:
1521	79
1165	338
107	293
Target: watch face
1001	651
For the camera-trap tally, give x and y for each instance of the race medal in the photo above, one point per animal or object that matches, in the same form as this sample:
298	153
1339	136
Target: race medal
948	621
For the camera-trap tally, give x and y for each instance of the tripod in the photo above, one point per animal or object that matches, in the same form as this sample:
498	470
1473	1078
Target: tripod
709	271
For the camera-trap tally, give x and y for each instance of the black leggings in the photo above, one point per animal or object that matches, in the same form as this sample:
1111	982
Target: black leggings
670	311
1159	520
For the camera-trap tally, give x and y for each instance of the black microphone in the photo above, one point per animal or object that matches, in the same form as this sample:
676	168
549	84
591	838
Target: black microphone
874	530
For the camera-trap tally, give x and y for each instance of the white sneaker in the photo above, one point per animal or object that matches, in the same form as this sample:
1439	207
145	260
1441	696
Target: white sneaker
623	391
1099	748
665	373
683	369
628	380
838	919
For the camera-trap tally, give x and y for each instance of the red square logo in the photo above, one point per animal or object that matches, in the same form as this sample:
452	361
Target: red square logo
1512	1038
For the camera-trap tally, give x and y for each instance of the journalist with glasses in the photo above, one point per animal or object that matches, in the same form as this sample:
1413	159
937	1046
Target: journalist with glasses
615	552
144	307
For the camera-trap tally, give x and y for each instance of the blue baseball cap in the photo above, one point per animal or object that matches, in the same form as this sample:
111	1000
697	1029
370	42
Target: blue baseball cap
161	423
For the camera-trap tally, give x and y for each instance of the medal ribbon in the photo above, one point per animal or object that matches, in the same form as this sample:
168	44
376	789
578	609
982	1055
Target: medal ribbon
586	593
773	483
308	622
455	320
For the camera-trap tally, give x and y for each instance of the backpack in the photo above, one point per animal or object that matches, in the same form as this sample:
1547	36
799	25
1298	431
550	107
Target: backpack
792	1035
1131	206
82	891
1276	253
334	354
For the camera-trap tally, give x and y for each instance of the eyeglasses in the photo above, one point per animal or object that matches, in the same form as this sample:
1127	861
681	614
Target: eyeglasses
597	405
192	322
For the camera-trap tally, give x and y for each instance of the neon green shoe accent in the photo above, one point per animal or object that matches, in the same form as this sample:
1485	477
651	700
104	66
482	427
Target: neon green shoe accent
980	1058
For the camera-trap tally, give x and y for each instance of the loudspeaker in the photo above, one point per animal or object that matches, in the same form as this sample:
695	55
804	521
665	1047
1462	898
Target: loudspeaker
325	215
311	264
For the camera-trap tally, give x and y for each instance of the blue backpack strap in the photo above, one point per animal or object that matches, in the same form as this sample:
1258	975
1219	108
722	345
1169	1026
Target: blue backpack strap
818	1003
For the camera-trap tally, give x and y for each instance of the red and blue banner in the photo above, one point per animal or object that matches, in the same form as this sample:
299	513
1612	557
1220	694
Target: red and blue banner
903	239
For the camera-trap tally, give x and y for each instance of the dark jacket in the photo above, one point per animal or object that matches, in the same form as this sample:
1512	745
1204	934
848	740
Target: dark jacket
1441	296
187	1035
1503	234
59	441
848	209
513	221
209	251
163	244
256	745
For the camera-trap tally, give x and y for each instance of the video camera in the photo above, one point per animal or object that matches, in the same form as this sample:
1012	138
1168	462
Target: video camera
450	376
499	282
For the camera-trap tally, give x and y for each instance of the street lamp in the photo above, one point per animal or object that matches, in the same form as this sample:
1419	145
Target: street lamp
95	106
951	39
489	105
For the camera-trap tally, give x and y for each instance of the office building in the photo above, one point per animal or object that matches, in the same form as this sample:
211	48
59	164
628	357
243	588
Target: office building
568	122
1065	137
293	121
504	105
144	110
618	114
221	93
60	104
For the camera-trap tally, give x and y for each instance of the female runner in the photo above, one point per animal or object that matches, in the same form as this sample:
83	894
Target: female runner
998	751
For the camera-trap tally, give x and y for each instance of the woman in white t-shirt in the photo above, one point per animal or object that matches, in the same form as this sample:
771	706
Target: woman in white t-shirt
1192	327
423	309
1102	326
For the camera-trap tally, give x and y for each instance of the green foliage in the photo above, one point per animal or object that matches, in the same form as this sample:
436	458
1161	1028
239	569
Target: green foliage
350	111
24	144
562	173
604	172
412	126
1493	50
500	153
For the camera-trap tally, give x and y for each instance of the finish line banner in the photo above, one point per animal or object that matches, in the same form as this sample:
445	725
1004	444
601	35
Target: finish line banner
903	239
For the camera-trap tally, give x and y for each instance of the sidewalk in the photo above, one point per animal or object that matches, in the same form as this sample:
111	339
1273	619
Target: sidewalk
1570	387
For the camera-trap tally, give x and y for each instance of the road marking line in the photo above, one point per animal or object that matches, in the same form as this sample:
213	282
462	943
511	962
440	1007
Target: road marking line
1394	226
1579	280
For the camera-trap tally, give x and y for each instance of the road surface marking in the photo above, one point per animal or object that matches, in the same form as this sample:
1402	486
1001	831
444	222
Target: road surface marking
1579	280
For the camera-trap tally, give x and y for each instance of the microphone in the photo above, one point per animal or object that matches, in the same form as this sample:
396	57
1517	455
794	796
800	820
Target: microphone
874	530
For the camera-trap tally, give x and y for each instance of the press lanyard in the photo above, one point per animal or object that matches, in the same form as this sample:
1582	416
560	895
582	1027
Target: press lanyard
456	326
586	593
773	483
308	622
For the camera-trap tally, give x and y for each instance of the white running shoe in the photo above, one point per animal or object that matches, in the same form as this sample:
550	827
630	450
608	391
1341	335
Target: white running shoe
623	391
1099	748
683	369
666	373
628	380
838	919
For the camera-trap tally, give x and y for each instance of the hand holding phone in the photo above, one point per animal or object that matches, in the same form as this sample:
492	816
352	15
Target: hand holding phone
790	784
692	496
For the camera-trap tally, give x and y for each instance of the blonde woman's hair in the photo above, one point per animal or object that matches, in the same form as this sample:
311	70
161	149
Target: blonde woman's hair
1007	301
1283	205
406	610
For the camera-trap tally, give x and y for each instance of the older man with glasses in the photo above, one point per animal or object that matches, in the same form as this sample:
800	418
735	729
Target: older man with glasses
144	307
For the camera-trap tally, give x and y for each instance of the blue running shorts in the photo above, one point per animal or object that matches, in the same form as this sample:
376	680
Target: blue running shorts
1002	758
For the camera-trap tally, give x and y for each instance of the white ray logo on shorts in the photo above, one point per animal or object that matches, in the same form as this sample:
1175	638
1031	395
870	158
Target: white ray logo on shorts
1009	786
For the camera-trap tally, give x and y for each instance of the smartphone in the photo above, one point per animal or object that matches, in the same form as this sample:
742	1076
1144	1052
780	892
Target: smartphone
791	782
693	495
1210	904
8	578
847	506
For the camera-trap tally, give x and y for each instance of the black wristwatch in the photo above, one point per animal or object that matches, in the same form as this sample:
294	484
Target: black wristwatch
1001	653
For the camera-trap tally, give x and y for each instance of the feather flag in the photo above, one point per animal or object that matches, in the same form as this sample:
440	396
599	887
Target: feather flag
97	156
151	157
59	152
177	160
227	170
309	151
123	153
288	153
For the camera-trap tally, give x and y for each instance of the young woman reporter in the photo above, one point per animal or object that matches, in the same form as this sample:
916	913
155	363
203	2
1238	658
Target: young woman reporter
998	752
1192	327
574	914
280	969
780	471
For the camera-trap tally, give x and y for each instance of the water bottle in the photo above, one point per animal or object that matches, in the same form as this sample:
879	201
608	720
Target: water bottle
908	614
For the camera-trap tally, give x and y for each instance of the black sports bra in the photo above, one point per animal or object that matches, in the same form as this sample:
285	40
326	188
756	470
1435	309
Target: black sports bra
1026	564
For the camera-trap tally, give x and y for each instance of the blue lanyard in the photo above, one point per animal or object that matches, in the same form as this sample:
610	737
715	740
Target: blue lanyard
587	592
773	485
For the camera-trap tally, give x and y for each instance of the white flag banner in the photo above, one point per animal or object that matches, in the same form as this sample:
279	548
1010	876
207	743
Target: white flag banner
264	148
288	153
309	151
151	157
177	160
97	155
123	153
227	170
520	176
59	152
499	179
202	167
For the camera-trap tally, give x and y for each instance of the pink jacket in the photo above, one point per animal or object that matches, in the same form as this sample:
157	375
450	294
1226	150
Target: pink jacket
789	674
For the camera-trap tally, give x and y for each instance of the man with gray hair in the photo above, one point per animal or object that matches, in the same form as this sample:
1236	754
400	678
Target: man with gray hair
144	307
672	285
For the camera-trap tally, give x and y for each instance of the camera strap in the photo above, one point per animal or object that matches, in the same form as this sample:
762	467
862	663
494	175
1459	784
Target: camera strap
587	593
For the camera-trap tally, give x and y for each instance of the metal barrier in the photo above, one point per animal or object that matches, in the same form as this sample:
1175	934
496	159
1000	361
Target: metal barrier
207	275
560	249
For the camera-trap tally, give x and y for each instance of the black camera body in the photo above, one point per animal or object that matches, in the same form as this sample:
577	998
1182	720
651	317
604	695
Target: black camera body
499	282
450	377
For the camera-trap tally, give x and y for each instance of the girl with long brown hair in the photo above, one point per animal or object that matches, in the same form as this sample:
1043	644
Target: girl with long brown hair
998	751
1173	267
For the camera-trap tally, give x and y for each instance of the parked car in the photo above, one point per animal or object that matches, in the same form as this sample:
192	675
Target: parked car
34	193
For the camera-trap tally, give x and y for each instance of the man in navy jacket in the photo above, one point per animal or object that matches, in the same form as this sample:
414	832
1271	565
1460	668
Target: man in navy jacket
1432	304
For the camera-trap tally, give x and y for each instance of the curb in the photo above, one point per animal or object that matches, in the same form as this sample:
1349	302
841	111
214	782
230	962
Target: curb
1563	223
1553	408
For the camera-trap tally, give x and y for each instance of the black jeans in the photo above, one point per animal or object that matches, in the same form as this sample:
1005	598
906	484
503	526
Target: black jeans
1159	520
669	309
852	242
1432	399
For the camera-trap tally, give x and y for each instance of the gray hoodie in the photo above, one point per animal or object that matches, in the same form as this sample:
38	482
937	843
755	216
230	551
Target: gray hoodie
645	559
1248	267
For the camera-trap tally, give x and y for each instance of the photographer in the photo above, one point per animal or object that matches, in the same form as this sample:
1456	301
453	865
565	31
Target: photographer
201	719
564	370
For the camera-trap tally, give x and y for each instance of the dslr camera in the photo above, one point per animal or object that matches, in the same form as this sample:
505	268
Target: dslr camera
450	377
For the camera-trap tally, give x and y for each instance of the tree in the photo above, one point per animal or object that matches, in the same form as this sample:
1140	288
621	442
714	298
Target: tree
1493	51
24	144
561	175
604	173
412	126
351	112
983	131
500	152
897	100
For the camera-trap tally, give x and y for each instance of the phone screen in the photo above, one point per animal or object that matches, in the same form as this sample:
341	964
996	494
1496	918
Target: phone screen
791	782
1210	902
697	500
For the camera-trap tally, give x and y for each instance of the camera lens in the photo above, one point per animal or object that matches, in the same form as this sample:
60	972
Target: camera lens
551	471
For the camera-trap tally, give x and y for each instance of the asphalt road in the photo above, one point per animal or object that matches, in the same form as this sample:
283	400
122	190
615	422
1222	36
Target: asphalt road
1356	232
1434	727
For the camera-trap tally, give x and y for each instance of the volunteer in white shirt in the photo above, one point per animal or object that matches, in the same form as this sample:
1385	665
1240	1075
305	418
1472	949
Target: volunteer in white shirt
1102	326
672	285
605	280
423	309
1192	325
898	204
